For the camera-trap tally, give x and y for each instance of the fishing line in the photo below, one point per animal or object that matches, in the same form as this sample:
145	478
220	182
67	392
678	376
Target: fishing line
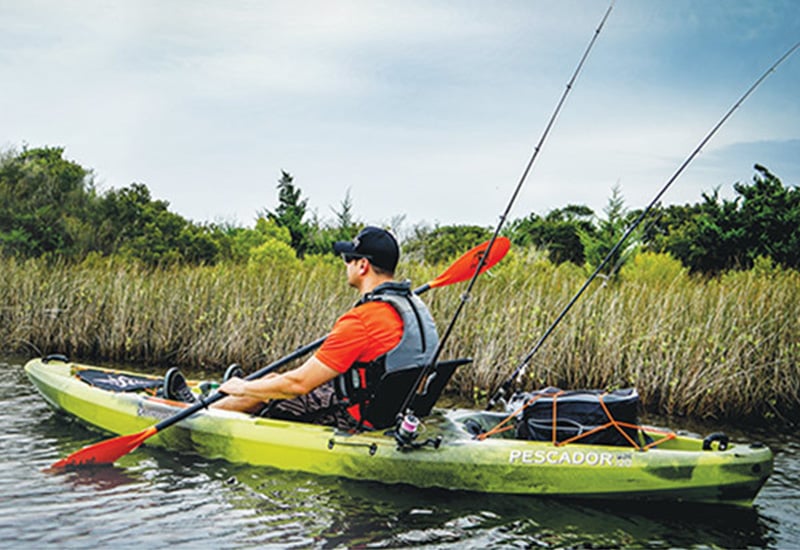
503	390
465	296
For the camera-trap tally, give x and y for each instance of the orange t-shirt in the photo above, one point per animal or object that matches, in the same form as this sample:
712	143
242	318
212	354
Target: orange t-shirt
361	335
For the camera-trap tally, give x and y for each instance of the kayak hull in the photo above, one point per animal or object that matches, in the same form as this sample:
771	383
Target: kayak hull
678	469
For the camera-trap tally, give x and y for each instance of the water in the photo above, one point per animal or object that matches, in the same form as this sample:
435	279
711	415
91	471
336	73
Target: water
159	499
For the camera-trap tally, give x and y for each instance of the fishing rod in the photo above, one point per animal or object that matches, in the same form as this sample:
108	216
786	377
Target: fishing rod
503	390
465	296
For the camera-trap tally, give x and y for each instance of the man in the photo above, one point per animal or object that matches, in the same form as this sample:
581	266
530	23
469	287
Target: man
389	329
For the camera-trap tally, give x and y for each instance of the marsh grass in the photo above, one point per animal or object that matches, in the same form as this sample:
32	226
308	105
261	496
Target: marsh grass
725	347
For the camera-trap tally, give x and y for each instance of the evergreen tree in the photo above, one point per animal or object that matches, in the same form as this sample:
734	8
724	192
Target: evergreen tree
290	213
345	227
598	244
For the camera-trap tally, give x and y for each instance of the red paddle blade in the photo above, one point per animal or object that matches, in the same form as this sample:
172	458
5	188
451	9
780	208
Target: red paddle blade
105	452
464	268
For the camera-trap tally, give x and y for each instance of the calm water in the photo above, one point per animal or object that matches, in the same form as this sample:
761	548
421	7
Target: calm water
155	498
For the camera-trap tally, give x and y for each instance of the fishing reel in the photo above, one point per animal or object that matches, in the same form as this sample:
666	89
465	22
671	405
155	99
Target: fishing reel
499	397
407	431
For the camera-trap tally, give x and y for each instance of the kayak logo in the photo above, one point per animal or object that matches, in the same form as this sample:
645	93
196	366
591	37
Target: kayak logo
153	410
120	382
557	457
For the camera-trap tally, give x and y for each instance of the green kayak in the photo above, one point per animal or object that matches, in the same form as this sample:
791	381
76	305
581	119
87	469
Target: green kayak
449	450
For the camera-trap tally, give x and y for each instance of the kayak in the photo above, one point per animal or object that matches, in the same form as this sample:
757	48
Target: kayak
446	451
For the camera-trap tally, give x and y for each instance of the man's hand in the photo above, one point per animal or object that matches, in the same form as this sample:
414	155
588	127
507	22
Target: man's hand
235	387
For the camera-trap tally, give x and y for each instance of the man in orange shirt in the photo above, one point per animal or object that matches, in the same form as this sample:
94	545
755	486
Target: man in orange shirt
389	329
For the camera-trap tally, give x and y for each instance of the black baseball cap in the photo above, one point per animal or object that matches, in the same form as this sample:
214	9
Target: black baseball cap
377	245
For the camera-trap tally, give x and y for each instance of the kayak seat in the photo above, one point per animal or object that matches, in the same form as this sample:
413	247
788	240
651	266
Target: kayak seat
435	383
393	387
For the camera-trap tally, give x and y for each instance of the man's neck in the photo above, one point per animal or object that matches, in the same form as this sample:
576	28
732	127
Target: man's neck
370	283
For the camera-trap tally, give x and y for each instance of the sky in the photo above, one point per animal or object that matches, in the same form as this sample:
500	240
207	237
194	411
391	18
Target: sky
421	112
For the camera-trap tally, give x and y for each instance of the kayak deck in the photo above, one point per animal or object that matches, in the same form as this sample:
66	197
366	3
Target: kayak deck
677	468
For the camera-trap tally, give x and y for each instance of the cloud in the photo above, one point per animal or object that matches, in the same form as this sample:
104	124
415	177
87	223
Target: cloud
429	109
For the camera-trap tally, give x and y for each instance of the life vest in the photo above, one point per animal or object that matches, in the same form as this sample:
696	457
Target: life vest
374	392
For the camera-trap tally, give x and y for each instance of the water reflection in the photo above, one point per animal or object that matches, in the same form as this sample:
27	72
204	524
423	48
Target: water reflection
100	478
299	509
161	499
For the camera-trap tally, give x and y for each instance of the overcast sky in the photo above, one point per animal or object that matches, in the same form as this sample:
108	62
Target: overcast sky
422	109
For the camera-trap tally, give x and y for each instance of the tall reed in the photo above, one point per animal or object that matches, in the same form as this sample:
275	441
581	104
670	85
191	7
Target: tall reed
725	347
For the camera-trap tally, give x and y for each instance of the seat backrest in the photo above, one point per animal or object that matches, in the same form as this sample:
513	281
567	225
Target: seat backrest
393	387
435	383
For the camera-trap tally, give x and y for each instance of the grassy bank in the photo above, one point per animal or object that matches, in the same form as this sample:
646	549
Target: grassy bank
726	347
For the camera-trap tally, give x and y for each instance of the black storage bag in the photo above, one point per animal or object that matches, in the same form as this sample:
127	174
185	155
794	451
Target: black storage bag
577	412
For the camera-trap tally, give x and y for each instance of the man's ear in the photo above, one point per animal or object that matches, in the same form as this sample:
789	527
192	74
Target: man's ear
363	266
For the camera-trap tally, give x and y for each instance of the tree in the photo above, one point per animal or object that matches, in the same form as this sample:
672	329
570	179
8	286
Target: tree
730	234
443	243
770	215
321	236
131	223
44	203
272	246
703	237
345	224
290	213
598	244
558	232
198	244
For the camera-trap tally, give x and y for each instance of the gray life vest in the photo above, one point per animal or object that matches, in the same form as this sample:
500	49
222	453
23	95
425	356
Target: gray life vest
374	392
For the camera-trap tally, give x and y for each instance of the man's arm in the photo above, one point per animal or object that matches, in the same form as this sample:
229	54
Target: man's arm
299	381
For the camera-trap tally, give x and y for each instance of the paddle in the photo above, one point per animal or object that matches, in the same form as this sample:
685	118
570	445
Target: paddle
107	452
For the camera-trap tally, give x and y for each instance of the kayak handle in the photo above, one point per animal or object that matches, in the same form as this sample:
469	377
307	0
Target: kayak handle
720	437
